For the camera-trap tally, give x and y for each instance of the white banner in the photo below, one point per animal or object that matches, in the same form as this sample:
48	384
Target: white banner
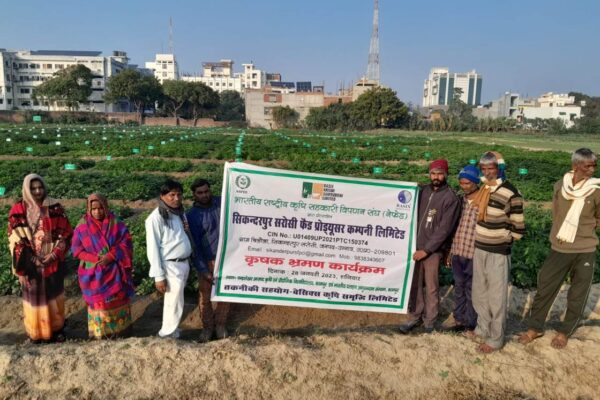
310	240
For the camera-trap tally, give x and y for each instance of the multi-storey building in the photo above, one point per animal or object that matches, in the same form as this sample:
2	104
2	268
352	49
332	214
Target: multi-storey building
22	70
219	76
439	88
164	67
550	106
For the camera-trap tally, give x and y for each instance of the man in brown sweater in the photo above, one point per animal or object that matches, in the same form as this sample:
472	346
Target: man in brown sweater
573	239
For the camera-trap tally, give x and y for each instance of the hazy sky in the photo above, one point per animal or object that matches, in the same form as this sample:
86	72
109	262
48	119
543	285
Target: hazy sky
525	46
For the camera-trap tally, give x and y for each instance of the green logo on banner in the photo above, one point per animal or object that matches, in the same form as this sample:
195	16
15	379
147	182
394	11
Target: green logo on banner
242	181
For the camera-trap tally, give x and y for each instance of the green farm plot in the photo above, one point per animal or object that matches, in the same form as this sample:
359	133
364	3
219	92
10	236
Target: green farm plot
531	141
130	163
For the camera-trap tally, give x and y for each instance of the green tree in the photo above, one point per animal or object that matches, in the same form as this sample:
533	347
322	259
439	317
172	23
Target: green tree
70	86
285	117
459	116
378	108
231	107
333	117
202	100
177	94
139	90
590	113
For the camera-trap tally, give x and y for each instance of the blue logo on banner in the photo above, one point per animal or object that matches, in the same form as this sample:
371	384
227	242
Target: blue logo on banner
404	197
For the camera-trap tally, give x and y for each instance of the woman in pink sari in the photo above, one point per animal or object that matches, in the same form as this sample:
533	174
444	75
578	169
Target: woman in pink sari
103	245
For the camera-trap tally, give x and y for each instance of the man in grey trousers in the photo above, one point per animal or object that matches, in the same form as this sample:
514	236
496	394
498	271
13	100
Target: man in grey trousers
500	222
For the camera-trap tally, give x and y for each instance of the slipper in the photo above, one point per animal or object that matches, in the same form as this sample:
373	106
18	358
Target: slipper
559	341
530	336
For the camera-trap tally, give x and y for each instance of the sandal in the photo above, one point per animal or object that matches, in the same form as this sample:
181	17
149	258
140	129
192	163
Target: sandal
530	336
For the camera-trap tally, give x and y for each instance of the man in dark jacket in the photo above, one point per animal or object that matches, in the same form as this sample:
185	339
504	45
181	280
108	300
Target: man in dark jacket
439	211
204	220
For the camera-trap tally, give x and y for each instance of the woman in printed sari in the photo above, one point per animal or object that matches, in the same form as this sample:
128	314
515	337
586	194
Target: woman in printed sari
103	244
38	235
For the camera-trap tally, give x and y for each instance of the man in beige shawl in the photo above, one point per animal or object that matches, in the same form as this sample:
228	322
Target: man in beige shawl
575	219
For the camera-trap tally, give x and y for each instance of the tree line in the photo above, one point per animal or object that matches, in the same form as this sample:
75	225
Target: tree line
381	108
377	108
72	86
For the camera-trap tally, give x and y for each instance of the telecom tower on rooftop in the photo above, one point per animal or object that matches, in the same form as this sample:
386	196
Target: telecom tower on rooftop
373	66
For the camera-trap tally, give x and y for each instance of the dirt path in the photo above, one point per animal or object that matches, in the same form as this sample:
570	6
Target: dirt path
296	353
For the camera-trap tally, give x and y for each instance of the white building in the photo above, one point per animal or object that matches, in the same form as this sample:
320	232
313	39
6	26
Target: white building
21	71
164	67
438	89
253	78
219	76
551	105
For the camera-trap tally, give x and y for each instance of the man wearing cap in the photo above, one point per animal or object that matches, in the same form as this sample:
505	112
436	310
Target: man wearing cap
463	248
500	222
439	210
573	239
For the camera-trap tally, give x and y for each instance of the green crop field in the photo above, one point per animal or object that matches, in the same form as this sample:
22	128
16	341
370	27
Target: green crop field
129	163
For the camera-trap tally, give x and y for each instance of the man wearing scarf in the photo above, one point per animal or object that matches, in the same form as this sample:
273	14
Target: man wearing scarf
439	210
573	239
204	219
499	223
169	249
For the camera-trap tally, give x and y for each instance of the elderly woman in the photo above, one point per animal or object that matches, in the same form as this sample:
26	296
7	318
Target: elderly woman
103	245
38	235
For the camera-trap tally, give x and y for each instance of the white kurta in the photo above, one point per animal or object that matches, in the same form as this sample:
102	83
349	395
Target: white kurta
165	243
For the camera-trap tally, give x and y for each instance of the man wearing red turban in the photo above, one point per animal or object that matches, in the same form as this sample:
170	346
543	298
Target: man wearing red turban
439	210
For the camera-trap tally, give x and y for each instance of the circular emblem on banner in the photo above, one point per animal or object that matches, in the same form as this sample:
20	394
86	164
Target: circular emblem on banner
242	181
404	197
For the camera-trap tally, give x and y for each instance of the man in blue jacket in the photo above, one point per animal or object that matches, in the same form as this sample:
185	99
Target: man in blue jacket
204	220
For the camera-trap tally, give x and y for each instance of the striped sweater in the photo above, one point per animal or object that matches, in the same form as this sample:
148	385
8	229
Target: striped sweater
504	221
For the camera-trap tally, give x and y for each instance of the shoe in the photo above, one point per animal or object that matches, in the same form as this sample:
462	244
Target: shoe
221	332
206	335
408	326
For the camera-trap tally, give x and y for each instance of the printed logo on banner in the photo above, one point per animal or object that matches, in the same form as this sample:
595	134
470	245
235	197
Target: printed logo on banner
404	197
242	181
320	191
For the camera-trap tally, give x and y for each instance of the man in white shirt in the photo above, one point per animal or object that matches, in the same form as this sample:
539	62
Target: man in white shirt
169	249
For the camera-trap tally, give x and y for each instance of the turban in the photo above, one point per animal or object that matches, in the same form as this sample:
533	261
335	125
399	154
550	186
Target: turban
439	164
